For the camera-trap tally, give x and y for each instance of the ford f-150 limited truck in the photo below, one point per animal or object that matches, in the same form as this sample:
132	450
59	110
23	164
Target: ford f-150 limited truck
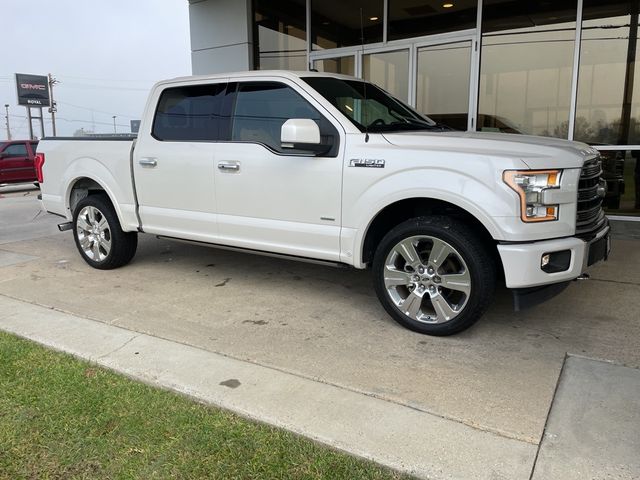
333	169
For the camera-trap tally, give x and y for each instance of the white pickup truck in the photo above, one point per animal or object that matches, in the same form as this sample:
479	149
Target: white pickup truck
332	169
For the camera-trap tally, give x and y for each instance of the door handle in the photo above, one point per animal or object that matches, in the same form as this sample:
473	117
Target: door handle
231	166
148	162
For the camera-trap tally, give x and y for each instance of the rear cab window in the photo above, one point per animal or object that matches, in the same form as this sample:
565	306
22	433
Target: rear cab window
189	113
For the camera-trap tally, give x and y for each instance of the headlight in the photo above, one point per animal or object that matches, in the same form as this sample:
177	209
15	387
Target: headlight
530	186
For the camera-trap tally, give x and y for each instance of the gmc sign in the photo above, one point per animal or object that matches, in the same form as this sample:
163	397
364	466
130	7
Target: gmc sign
33	90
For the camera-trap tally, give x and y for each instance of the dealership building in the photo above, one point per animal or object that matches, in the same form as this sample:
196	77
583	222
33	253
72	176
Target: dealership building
561	68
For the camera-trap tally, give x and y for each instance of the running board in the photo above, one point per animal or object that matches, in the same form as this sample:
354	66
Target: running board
284	256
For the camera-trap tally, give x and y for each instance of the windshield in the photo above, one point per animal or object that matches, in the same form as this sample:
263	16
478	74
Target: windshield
369	107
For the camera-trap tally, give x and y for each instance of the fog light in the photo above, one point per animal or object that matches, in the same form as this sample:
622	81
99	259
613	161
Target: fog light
545	260
554	262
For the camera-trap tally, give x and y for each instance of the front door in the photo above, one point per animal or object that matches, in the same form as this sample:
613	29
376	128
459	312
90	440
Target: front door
269	198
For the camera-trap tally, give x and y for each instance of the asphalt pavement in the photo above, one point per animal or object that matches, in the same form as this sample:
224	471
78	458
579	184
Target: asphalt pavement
320	329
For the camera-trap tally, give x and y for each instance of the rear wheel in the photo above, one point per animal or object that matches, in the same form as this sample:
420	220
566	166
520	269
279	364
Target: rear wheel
98	236
434	275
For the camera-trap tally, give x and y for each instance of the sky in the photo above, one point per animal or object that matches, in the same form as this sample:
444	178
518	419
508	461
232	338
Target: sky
106	54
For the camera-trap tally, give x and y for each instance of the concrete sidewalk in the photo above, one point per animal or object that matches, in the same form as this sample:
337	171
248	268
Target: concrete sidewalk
391	434
591	431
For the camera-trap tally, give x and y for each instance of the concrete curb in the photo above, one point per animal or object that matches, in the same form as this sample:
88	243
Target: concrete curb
391	434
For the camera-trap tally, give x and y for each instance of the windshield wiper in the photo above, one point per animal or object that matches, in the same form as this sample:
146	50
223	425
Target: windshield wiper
411	123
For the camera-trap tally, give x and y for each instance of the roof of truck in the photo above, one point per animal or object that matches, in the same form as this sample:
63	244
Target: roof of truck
257	74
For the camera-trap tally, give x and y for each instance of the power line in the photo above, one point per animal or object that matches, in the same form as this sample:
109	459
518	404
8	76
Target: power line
109	79
102	87
73	120
96	110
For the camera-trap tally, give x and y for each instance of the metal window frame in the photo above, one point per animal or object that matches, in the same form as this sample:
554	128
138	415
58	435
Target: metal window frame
464	36
412	45
577	48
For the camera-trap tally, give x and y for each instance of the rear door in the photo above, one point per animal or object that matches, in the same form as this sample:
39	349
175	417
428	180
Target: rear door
173	162
16	165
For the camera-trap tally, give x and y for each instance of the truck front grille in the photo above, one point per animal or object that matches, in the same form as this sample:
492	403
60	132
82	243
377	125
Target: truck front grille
590	215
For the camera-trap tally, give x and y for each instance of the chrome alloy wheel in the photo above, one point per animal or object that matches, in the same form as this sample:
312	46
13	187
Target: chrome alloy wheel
94	233
427	279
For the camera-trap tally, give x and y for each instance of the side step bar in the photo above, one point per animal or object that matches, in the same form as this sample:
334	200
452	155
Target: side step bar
327	263
63	227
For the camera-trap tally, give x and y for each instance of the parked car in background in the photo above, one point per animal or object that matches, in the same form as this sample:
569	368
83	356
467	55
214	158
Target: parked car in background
17	161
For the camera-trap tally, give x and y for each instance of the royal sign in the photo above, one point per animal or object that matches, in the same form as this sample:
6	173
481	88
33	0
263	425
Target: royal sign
33	90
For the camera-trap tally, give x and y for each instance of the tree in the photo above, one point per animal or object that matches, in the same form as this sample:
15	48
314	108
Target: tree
81	132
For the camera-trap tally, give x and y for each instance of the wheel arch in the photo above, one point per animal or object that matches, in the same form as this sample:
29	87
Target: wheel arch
81	187
405	209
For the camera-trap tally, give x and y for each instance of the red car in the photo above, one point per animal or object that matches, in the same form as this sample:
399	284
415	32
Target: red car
16	161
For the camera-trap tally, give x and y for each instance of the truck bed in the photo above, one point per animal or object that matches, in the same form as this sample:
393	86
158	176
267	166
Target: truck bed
105	160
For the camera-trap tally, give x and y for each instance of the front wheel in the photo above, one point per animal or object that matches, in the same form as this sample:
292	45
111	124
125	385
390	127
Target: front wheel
434	275
100	240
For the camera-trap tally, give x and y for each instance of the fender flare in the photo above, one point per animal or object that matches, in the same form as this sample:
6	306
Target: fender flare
98	174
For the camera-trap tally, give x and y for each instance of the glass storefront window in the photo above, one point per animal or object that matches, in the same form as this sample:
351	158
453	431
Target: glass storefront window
339	23
443	83
343	65
526	66
411	18
608	104
388	70
281	35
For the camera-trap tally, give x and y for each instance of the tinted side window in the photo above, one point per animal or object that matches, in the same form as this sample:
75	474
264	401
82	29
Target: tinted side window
34	146
16	150
189	113
262	107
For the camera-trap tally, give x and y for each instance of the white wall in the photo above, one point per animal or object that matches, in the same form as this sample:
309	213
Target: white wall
220	36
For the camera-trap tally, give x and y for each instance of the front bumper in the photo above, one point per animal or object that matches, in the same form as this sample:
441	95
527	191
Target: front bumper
521	261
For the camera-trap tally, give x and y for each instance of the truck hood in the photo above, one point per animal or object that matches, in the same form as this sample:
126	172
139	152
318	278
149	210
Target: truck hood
535	152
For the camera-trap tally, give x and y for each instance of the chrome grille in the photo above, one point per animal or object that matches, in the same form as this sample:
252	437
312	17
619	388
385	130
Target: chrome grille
590	215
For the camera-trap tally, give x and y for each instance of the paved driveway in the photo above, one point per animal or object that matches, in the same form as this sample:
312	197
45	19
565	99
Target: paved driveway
326	324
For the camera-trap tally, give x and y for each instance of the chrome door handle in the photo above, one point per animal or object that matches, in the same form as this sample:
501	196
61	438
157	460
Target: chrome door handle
229	166
148	162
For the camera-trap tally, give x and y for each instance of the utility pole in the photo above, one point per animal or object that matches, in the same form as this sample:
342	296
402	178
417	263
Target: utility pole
114	124
6	117
53	108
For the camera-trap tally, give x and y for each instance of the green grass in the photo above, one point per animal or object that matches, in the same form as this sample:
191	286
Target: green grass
63	418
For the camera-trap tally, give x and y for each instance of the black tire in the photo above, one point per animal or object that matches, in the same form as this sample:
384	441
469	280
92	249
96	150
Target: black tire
123	245
479	265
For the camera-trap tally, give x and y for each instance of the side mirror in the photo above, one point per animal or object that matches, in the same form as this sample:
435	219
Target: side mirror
3	155
302	134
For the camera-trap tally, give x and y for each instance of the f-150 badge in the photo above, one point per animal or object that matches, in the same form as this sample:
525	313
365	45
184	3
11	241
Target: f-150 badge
366	163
